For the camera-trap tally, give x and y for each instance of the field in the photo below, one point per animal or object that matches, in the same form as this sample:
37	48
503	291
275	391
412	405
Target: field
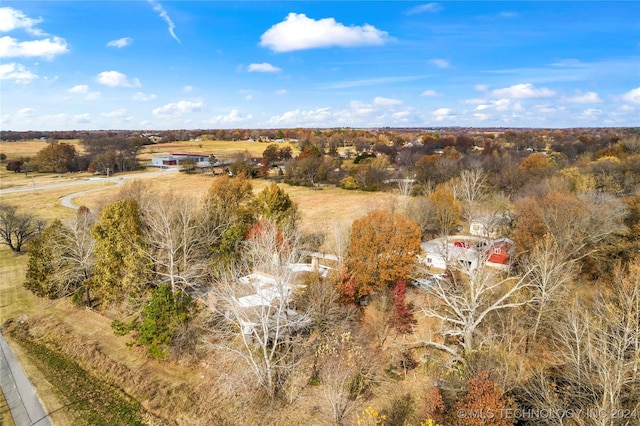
218	148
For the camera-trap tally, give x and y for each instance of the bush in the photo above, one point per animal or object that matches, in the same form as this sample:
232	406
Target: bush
15	166
349	183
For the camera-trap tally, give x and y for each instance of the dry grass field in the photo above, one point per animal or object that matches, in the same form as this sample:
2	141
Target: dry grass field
218	148
15	150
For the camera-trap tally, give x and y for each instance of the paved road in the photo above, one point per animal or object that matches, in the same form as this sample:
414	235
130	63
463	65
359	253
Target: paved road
21	397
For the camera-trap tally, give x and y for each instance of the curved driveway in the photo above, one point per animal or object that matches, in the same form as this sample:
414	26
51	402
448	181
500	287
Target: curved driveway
66	200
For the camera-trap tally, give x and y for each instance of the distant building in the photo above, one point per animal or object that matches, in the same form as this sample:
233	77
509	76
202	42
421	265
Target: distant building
177	159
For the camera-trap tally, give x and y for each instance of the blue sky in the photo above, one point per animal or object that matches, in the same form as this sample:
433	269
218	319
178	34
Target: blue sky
235	64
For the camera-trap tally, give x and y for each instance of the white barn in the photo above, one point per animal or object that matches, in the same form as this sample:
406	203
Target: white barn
177	159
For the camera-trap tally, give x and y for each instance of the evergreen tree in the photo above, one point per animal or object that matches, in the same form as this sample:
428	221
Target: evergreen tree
162	317
122	268
43	262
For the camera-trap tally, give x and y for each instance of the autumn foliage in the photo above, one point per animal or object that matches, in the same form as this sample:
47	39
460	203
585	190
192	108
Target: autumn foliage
485	398
403	318
382	250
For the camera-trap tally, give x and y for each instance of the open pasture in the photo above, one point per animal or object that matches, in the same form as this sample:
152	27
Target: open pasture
208	147
25	149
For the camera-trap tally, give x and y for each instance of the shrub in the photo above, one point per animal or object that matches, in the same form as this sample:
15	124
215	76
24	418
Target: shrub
349	183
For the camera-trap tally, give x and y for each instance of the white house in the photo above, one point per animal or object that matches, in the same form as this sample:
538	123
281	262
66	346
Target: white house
468	252
489	226
441	252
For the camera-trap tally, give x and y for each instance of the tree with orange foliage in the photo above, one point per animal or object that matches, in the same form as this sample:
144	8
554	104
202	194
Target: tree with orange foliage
485	400
434	408
382	250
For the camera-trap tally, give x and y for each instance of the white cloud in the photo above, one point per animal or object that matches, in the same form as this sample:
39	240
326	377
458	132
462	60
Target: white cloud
46	48
499	105
372	82
263	67
12	19
429	7
442	114
80	88
481	117
177	108
402	116
440	63
523	91
82	118
474	101
233	117
431	93
481	87
116	79
165	16
143	97
360	109
248	94
546	109
591	113
386	101
298	32
16	72
118	114
585	98
121	42
300	118
26	112
281	92
92	96
632	96
187	89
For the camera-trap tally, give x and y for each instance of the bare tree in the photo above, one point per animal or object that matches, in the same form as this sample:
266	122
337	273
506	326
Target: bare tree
469	187
599	347
77	248
175	239
465	299
405	186
17	228
379	317
550	272
344	372
265	332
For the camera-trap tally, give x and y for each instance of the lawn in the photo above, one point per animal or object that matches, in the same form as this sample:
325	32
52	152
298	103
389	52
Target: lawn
15	300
